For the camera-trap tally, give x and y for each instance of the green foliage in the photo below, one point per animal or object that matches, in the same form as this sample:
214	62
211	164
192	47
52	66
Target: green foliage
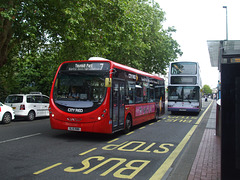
37	35
206	89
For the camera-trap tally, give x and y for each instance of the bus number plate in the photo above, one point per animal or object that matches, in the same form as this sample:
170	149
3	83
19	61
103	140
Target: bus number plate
74	129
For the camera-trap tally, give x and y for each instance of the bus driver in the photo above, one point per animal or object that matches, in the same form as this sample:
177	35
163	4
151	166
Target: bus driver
73	93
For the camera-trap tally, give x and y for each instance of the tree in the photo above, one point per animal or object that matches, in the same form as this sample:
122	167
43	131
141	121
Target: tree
131	34
28	24
206	89
37	35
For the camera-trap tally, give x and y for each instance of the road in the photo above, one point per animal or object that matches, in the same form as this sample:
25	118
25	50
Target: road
32	150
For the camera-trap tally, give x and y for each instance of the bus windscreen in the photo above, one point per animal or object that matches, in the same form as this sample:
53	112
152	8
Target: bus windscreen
183	93
80	87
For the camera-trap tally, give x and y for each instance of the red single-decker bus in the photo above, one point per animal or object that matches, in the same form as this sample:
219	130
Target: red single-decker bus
102	96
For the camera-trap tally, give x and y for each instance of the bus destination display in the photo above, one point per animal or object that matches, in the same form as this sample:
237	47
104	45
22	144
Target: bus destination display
93	66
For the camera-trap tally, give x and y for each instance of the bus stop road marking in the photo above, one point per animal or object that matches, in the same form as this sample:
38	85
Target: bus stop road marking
130	133
113	140
47	168
87	151
169	161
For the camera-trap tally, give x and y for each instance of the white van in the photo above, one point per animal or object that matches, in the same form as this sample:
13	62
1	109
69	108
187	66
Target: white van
29	105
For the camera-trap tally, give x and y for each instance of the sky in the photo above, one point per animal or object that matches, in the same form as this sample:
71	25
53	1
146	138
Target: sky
197	21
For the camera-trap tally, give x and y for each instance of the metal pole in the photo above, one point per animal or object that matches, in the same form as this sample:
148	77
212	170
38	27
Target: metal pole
226	23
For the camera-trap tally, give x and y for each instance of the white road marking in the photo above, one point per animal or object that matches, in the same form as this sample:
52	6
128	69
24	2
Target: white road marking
18	138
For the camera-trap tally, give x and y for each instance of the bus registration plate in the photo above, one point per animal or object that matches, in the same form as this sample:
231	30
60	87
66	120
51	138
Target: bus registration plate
74	129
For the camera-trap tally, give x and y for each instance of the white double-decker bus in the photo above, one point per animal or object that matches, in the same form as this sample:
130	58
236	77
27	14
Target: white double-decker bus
184	84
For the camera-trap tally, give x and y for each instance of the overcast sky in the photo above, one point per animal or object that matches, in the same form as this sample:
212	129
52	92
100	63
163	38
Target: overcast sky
197	21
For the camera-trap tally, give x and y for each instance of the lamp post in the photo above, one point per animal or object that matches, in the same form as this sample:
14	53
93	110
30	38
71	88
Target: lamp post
226	23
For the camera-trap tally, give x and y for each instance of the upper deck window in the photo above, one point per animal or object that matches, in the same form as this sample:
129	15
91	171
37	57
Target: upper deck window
184	68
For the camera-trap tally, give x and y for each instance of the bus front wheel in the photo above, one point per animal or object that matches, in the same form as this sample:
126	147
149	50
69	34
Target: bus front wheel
128	124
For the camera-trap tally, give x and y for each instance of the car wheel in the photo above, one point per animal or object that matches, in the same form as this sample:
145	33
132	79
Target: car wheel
128	124
7	118
31	115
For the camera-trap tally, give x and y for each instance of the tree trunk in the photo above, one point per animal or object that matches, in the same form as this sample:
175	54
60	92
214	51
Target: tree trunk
5	36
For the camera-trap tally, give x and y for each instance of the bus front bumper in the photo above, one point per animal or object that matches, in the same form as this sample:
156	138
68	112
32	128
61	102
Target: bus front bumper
180	109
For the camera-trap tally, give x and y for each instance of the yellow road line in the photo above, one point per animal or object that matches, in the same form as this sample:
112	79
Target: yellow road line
130	133
87	151
113	140
45	169
169	161
200	119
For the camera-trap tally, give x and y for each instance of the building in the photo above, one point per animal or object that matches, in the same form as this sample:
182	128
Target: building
226	56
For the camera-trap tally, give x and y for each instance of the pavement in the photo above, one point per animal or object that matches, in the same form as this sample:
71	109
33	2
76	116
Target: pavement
201	159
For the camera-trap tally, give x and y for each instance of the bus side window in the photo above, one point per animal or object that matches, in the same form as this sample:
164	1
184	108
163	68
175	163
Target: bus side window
157	93
151	94
139	92
145	92
130	92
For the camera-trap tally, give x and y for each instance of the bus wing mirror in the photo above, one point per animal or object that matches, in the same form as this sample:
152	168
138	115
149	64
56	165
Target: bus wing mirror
108	82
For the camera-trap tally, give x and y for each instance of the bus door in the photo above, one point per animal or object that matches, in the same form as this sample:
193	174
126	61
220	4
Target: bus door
118	106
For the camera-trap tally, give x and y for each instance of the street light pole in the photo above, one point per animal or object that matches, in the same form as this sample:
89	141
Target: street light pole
226	23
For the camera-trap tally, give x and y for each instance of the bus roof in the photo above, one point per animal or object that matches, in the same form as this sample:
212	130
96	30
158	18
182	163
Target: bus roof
119	66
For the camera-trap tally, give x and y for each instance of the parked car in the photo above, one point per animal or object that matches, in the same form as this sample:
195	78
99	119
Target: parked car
6	113
29	105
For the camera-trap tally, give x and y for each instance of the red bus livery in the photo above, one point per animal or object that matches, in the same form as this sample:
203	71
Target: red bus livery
102	96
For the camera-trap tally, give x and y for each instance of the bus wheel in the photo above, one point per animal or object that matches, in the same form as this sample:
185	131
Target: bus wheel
128	124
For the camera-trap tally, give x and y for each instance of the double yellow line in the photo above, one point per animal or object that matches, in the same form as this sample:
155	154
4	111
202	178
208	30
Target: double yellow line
169	161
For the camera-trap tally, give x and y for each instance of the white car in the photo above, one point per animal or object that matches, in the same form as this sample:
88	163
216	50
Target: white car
29	105
6	113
